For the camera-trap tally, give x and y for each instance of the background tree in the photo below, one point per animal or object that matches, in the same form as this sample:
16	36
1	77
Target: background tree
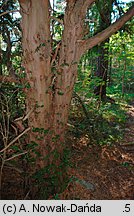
105	10
10	36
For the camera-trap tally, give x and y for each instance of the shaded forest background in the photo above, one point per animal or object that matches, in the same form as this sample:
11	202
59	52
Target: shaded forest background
99	134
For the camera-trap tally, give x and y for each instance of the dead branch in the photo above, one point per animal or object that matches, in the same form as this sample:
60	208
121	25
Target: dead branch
15	139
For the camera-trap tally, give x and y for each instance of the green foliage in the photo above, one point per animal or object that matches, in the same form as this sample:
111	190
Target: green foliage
104	125
47	179
14	96
122	76
106	120
40	130
10	40
60	93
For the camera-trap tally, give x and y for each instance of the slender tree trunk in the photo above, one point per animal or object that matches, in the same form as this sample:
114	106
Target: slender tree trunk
123	76
102	70
110	71
103	48
0	60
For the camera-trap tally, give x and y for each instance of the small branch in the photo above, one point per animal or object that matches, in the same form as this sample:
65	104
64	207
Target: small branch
57	19
8	79
15	139
89	43
11	166
28	114
56	53
6	12
14	156
4	4
26	196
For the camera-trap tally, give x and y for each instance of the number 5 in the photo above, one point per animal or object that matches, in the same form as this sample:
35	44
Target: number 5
127	208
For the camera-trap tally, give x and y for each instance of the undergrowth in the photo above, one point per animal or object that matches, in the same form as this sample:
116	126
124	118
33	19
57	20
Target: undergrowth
103	125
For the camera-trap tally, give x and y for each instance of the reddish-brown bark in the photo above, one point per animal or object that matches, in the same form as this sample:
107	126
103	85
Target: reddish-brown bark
50	94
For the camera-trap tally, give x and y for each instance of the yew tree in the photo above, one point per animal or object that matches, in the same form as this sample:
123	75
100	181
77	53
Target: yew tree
105	9
52	75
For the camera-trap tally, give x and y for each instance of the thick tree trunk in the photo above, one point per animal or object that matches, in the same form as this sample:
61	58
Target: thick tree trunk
48	93
37	53
41	106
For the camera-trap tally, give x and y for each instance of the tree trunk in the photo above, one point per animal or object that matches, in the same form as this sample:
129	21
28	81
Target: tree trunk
103	49
102	70
49	93
49	84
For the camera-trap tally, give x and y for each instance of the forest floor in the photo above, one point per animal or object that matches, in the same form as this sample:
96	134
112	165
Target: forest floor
103	172
96	172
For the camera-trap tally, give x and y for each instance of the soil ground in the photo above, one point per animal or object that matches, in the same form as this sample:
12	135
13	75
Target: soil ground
104	172
97	172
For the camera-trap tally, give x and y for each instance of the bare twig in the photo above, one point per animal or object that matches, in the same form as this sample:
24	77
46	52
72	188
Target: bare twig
11	166
4	4
56	53
14	156
15	139
4	130
28	114
57	19
26	196
11	11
